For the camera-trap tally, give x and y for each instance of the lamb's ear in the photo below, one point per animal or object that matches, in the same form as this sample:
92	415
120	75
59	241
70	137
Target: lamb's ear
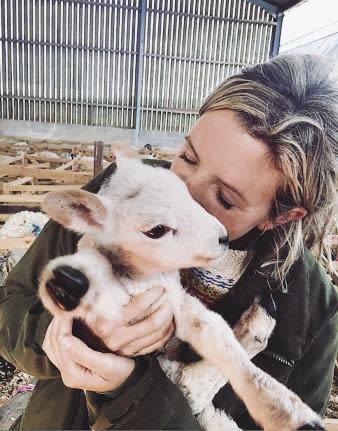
77	210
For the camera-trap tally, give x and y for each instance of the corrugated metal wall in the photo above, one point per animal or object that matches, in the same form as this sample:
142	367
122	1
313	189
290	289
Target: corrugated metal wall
148	61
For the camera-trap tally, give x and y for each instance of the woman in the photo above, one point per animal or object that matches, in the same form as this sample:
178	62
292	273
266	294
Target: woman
262	159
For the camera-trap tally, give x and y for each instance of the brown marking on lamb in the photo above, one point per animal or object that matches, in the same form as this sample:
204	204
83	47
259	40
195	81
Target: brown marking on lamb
197	323
86	213
62	206
120	264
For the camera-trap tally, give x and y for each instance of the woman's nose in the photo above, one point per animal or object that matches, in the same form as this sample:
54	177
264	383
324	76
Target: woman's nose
196	184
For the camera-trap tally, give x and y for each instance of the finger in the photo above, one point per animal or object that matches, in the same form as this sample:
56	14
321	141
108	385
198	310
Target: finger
159	344
79	377
47	346
103	364
65	326
142	343
61	327
137	307
54	341
146	327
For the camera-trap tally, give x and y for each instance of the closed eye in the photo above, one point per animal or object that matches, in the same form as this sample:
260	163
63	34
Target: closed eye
184	157
224	202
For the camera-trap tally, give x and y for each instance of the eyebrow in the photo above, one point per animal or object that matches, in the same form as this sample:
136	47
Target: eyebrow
229	186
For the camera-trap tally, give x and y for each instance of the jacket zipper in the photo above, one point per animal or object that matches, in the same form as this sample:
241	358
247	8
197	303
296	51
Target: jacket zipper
278	358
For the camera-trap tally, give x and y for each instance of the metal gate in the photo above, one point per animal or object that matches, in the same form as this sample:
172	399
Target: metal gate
143	64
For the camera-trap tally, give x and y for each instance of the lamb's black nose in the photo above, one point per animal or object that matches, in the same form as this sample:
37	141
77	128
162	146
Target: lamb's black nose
223	240
67	287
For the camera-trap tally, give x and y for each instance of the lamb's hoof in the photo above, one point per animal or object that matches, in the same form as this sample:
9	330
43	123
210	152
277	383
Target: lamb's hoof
67	287
312	426
268	303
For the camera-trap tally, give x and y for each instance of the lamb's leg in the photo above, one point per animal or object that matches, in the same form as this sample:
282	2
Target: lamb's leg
201	380
270	403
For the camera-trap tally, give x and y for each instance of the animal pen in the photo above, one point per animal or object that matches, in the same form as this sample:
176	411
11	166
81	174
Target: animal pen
136	66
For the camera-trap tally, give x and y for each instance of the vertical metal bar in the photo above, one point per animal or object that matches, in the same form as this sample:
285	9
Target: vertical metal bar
246	17
50	59
277	34
267	42
1	65
129	69
141	26
251	26
99	73
23	59
6	60
110	29
39	80
89	31
84	67
73	77
12	58
185	54
66	61
45	82
104	74
133	59
17	60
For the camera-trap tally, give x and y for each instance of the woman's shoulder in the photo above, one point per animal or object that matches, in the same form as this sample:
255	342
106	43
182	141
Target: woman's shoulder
322	295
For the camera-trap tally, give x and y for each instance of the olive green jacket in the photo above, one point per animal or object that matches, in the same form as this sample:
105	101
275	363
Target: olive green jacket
301	352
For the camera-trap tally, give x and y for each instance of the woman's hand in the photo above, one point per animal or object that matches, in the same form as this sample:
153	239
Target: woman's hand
147	324
81	367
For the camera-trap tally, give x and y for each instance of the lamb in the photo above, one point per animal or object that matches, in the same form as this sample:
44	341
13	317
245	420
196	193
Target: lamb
139	230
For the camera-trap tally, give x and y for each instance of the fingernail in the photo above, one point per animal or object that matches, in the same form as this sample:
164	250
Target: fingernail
67	342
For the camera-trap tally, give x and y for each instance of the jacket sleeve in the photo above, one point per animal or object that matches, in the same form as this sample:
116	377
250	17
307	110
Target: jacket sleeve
312	378
23	319
147	400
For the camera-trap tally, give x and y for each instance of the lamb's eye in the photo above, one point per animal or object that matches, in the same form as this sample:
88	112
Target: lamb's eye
157	231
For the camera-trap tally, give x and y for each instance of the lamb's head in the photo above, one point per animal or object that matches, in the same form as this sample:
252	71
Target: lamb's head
145	217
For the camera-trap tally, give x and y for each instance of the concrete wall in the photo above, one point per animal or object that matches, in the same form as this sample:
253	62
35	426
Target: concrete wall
70	132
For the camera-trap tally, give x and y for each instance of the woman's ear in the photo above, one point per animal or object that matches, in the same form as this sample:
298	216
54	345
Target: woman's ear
294	214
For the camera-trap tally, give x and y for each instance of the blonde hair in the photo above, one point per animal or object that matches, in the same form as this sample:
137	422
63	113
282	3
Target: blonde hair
290	103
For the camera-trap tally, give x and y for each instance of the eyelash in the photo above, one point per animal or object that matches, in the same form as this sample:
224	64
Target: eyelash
184	157
227	205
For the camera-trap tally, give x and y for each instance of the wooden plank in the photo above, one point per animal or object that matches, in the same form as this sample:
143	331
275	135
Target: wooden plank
6	187
44	188
98	157
10	160
51	174
20	198
12	243
32	157
69	164
12	209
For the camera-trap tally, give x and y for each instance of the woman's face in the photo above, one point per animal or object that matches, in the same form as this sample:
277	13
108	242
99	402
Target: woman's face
228	172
